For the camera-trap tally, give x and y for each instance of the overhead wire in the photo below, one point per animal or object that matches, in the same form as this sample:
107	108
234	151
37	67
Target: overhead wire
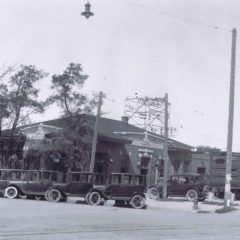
178	17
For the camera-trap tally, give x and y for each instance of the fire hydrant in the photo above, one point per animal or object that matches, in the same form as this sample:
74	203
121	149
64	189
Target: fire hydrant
195	204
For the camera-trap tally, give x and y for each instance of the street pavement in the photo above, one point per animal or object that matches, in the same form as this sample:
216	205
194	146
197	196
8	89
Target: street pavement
171	219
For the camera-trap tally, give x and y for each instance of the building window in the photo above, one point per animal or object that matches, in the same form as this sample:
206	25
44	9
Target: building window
220	161
161	168
185	167
201	170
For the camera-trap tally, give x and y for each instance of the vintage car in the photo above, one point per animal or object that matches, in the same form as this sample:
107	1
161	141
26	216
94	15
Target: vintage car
124	188
30	183
77	184
190	185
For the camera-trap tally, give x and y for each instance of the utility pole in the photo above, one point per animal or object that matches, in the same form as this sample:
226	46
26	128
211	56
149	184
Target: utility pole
156	171
165	148
94	143
228	177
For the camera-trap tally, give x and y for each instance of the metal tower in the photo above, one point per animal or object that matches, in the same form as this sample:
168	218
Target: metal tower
147	113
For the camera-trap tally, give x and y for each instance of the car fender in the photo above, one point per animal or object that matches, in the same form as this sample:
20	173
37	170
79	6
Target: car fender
60	190
139	193
99	191
194	188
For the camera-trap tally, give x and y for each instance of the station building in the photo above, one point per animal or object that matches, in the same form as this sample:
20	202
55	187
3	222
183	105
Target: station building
121	147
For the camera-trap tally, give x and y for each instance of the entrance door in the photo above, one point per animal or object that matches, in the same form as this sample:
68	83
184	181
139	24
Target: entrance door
101	164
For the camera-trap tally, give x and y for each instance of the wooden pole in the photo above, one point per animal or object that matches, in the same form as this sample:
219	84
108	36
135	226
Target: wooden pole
94	143
165	149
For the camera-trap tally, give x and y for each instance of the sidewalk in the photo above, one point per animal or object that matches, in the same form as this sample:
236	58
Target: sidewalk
181	204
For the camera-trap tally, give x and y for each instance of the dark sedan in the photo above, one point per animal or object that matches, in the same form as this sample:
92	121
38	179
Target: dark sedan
190	185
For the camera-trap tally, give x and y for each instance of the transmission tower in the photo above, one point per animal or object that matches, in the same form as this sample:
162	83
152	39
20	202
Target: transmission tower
147	113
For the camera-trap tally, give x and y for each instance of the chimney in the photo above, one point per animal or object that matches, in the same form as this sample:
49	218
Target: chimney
125	119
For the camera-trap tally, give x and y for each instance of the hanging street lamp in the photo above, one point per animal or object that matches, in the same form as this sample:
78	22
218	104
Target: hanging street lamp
87	13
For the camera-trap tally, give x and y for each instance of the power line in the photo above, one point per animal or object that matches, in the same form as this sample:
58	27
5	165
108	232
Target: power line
179	17
196	111
200	133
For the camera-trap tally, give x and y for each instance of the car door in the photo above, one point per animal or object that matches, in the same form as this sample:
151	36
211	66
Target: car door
124	188
177	186
32	183
79	184
115	188
173	186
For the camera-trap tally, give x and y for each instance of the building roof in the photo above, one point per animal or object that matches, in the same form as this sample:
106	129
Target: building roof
110	129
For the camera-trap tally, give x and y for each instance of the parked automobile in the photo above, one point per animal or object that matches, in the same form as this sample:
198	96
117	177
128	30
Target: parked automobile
30	183
190	185
77	184
124	188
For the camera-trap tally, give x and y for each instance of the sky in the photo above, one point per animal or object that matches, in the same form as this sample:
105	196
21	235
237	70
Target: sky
149	47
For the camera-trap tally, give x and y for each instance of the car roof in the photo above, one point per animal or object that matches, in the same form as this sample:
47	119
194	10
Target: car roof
127	174
187	174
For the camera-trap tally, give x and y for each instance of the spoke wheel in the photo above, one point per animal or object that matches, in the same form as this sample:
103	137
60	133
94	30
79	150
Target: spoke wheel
46	195
11	192
87	197
191	195
153	193
95	198
137	201
54	195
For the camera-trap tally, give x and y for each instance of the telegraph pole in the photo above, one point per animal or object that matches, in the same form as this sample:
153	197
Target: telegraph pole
94	143
228	177
165	148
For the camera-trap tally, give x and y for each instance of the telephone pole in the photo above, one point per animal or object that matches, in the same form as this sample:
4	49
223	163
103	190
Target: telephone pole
228	176
165	148
94	143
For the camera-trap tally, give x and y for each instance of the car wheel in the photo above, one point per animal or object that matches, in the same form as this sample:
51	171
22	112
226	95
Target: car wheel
54	195
137	201
95	198
153	193
11	192
191	195
46	195
87	197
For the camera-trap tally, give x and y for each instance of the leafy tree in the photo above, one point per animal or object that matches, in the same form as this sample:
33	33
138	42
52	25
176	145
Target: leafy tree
77	135
20	99
23	95
4	113
67	91
207	149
